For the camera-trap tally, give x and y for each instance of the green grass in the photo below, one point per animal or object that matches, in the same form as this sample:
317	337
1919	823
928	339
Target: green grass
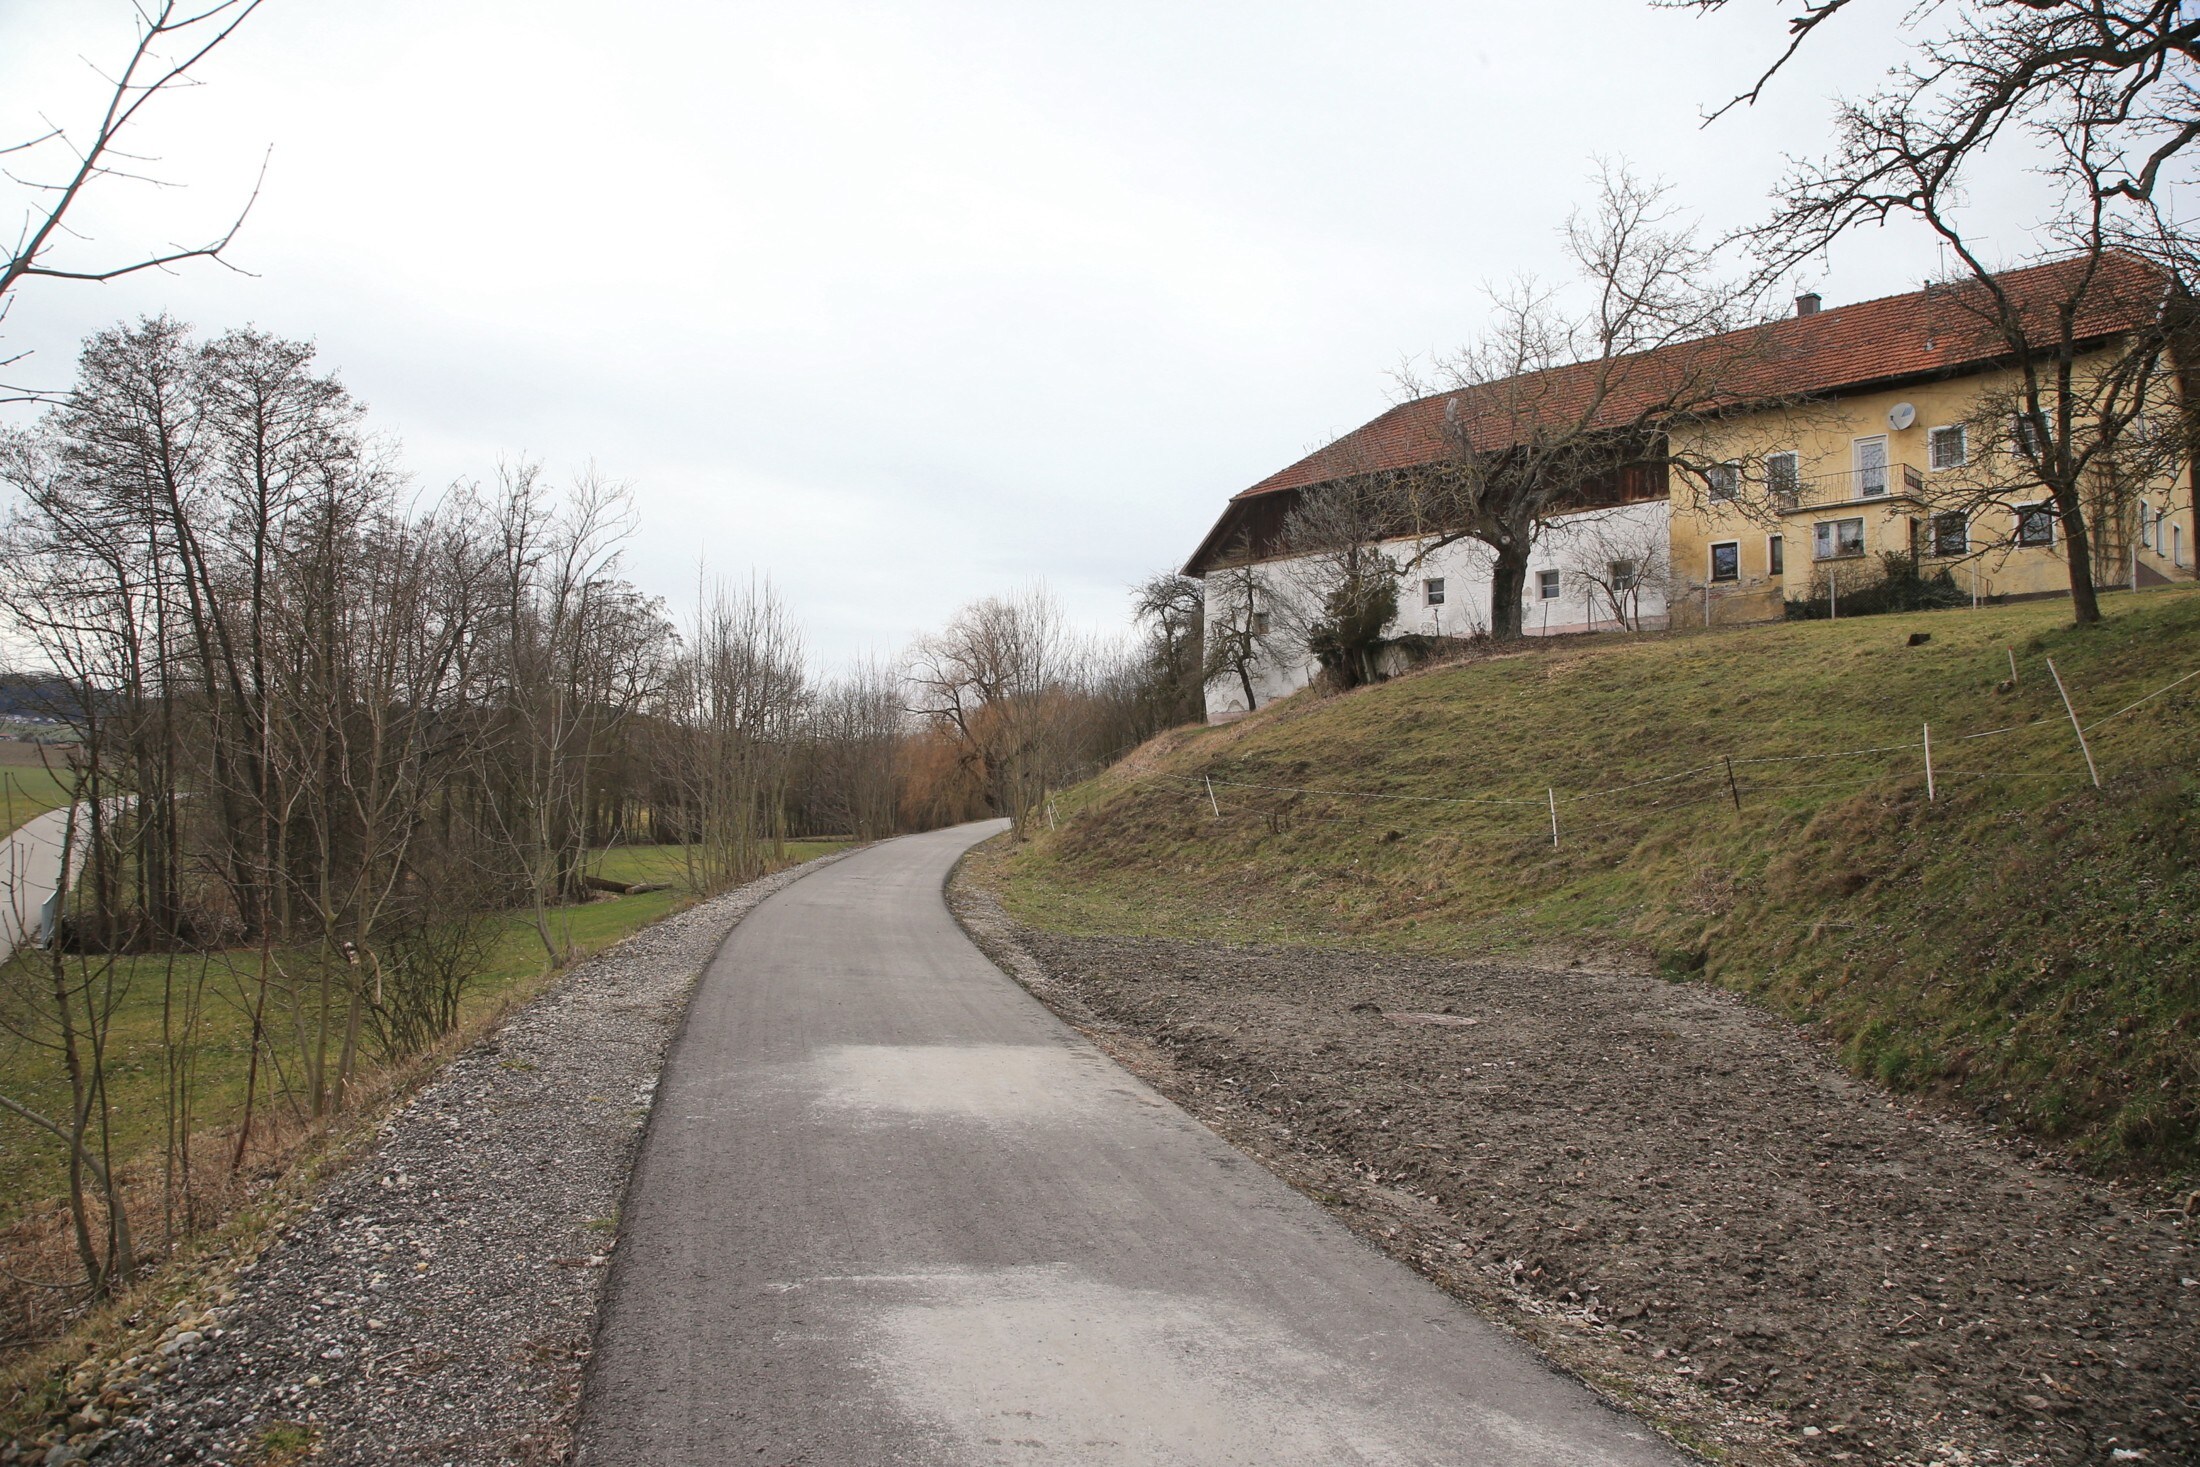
2024	941
33	1166
27	792
635	864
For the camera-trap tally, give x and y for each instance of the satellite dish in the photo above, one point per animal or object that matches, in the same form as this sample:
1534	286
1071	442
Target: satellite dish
1900	416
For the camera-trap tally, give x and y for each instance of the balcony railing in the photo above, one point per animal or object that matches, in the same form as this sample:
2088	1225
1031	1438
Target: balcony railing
1857	486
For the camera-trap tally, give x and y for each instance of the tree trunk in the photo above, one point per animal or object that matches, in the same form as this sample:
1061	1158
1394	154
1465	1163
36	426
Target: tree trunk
1508	588
2085	606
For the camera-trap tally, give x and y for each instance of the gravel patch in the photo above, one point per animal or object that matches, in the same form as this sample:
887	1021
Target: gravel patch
1680	1198
436	1303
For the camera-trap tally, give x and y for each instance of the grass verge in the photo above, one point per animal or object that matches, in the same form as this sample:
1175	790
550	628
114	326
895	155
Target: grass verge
2017	939
293	1152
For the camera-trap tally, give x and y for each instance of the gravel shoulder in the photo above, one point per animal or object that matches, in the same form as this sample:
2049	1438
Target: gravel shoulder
436	1303
1679	1198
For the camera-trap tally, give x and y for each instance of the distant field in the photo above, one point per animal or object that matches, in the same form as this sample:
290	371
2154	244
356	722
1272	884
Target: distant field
27	790
2017	937
32	1167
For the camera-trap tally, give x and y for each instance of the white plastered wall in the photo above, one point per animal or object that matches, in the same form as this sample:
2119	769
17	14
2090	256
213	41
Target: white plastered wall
1636	531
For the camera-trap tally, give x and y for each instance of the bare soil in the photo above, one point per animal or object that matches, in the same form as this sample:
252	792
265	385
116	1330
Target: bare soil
1681	1199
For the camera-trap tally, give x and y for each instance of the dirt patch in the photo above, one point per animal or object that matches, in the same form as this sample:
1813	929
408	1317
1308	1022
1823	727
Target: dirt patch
1681	1199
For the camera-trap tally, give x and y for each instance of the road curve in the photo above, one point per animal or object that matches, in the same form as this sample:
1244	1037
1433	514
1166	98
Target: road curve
889	1209
30	868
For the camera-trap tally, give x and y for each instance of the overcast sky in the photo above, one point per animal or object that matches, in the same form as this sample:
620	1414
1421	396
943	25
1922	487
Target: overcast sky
906	303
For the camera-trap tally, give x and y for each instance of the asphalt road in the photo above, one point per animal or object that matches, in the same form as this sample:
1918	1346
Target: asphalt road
30	866
889	1209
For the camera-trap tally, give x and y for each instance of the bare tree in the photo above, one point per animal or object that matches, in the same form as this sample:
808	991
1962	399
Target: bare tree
857	732
1341	594
1235	622
1623	560
1559	404
999	678
1170	608
737	702
2096	100
172	40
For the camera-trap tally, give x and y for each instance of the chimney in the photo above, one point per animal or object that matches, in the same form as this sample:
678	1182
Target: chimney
1806	304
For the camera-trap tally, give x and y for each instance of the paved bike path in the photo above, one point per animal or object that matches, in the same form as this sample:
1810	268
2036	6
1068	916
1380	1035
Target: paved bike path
889	1209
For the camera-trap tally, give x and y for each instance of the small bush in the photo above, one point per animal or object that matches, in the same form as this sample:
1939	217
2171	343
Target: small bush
1894	585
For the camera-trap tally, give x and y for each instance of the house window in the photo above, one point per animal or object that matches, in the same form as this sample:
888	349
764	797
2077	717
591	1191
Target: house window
2150	526
2036	524
2024	436
1950	447
1871	466
2177	545
1783	474
1623	575
1432	591
1951	534
1833	539
1726	561
1726	481
1776	554
1546	585
1260	623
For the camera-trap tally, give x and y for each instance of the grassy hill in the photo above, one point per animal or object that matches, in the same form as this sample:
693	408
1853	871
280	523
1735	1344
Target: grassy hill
2024	940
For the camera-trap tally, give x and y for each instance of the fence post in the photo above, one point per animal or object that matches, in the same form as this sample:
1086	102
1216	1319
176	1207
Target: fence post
1833	594
1211	796
1731	787
1929	795
1552	794
2012	667
2074	726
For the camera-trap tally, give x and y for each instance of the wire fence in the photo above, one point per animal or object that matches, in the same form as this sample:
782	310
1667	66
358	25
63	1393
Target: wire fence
1726	770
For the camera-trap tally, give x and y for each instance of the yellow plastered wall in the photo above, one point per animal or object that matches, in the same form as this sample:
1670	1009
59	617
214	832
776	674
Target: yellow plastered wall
1725	563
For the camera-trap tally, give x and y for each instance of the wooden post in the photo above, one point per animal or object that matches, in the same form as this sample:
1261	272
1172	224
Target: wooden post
1553	796
1929	796
1731	787
1211	796
2012	667
2074	725
1833	594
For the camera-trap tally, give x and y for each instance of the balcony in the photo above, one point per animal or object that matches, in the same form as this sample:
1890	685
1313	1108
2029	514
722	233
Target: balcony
1858	486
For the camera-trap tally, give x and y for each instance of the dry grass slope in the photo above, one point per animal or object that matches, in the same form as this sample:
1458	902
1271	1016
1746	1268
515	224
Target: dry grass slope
2023	941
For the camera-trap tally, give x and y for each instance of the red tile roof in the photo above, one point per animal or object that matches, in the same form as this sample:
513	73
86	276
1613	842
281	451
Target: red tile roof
1935	331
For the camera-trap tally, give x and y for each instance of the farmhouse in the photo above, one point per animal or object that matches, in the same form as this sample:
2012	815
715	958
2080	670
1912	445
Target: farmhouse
1824	451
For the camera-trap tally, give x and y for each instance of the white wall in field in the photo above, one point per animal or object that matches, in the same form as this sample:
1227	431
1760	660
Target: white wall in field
1561	597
